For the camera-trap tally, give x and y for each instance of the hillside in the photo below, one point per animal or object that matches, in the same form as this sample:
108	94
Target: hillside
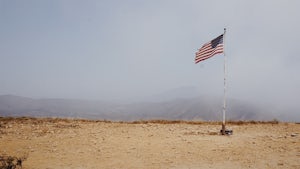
197	108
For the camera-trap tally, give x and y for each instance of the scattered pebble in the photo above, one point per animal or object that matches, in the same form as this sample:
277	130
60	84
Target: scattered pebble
293	135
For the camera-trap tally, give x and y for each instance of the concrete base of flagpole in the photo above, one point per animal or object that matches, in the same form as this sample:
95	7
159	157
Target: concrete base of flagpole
225	131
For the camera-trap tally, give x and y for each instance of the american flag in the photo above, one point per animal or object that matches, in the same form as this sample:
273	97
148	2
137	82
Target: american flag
210	49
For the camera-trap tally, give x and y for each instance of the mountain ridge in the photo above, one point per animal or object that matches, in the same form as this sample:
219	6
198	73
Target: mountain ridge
196	108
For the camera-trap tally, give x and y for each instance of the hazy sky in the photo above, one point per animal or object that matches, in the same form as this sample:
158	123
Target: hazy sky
118	49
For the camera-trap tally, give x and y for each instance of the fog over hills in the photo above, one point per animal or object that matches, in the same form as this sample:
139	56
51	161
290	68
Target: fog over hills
167	105
119	53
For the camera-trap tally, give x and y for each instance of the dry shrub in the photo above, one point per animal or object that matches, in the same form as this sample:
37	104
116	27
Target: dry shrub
65	126
157	121
213	133
10	162
240	122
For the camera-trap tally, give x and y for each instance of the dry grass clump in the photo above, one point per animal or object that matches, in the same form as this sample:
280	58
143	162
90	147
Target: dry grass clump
166	122
240	122
10	162
35	120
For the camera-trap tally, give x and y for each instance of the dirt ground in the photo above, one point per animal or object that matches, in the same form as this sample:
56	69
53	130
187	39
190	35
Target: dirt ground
61	143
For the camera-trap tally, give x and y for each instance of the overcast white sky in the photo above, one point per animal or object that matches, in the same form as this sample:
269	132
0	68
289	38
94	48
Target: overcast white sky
118	49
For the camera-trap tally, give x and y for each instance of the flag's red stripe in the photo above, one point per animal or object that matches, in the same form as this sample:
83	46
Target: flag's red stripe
204	58
218	49
197	61
208	56
205	48
209	50
206	53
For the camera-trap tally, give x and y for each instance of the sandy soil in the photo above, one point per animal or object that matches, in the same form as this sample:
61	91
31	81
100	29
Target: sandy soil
56	143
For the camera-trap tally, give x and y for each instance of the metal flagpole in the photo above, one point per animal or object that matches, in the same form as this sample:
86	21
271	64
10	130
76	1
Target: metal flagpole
224	99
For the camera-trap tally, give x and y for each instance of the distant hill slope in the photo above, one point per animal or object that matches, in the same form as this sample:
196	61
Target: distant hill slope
183	109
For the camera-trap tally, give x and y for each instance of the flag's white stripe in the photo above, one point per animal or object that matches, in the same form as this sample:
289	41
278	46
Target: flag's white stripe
209	49
209	52
203	57
206	50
